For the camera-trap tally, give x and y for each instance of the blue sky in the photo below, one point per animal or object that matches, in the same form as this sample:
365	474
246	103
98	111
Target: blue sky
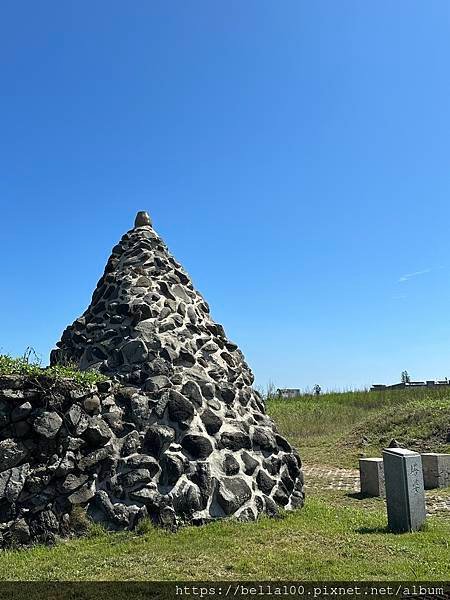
295	157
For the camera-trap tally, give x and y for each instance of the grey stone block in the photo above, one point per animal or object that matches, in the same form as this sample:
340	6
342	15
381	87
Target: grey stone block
405	496
436	470
371	474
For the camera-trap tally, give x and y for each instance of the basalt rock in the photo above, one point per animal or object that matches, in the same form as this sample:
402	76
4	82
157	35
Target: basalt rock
177	433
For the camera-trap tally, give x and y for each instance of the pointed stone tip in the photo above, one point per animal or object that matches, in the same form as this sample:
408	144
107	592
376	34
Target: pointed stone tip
142	219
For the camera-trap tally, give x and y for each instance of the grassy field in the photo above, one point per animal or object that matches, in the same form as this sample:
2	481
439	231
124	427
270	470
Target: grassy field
337	535
335	429
325	540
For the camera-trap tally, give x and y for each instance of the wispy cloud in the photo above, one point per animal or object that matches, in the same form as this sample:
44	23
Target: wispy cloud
415	274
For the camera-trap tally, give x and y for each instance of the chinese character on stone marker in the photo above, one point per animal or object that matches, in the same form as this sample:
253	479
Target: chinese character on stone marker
413	469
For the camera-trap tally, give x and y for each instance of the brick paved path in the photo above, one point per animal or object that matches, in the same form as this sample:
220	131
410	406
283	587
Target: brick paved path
321	477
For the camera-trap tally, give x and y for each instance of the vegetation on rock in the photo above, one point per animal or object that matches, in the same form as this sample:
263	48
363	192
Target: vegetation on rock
32	368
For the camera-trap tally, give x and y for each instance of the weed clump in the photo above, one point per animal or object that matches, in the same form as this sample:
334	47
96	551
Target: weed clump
30	366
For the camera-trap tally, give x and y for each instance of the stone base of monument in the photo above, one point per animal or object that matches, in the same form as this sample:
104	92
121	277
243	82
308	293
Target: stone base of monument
405	496
371	473
101	450
436	470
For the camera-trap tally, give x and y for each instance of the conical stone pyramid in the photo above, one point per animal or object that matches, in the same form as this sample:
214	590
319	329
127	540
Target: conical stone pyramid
201	445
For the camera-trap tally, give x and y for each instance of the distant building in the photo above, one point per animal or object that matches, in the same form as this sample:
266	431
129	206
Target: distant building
288	392
410	384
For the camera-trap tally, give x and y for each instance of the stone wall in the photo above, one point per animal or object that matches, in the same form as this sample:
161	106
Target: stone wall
123	453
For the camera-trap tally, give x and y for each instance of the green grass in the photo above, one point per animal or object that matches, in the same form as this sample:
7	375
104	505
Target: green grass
323	541
33	369
330	429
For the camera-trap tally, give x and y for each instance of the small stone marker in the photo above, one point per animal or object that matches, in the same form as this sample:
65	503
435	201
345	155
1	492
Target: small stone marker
436	470
371	475
405	496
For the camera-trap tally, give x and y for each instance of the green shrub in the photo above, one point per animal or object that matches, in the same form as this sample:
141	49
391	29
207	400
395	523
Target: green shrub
79	521
144	526
95	530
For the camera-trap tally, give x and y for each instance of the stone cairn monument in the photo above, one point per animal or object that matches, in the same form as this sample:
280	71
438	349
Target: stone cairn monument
177	433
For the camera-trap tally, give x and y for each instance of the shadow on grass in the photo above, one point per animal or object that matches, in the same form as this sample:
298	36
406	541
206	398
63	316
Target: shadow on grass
385	529
369	530
361	496
358	495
